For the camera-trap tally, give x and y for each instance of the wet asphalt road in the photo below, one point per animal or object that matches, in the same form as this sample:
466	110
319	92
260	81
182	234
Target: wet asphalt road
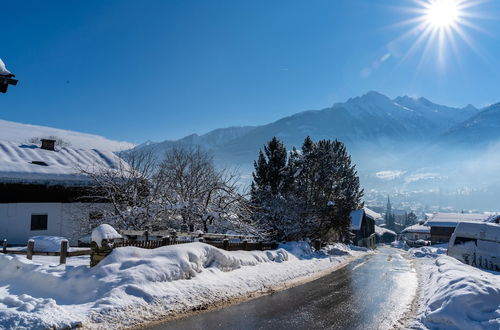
369	293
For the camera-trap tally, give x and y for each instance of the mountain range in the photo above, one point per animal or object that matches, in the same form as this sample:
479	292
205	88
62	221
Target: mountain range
372	124
401	144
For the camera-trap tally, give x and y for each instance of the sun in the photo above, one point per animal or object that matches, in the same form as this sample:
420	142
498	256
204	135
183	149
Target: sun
441	14
436	31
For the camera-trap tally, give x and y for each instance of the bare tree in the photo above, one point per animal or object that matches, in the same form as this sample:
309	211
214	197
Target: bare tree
184	189
201	194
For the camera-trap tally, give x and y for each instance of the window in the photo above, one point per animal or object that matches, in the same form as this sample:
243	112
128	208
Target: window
462	240
39	221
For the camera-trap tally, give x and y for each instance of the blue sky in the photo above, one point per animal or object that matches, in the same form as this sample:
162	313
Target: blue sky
155	70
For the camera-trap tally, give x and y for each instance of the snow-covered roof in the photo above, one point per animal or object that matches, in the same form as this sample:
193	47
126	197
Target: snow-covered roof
28	163
379	231
417	229
452	219
372	214
357	219
485	231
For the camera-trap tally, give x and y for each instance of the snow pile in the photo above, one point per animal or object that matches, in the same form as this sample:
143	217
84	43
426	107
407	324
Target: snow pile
132	285
3	69
400	245
427	252
47	243
458	296
102	232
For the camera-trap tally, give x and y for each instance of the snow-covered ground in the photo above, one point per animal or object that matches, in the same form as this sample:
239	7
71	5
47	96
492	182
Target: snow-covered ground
454	295
135	285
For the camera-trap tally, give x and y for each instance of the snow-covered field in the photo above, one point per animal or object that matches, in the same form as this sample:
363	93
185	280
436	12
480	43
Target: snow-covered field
135	285
454	295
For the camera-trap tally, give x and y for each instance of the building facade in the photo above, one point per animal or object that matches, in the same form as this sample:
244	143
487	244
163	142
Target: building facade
43	190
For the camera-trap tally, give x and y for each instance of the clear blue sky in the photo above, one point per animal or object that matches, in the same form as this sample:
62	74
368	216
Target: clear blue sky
139	70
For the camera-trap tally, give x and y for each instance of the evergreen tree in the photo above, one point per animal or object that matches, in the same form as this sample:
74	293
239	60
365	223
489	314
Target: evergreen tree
389	216
268	188
412	218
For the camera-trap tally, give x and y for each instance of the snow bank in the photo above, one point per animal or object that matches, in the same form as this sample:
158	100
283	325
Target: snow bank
400	245
426	252
132	285
48	243
102	232
458	296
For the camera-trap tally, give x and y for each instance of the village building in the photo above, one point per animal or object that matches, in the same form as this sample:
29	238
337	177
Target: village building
383	235
43	190
363	227
443	225
417	232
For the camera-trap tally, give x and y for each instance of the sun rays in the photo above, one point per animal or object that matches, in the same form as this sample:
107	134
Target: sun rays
439	29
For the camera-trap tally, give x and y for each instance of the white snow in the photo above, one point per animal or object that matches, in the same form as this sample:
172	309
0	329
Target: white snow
21	133
452	219
3	69
379	231
64	164
134	285
102	232
455	295
372	214
47	243
417	228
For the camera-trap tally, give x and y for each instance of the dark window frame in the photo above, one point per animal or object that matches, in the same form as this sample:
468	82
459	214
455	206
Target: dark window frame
39	221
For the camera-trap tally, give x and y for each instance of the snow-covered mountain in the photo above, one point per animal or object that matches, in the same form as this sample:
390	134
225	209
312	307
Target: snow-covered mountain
21	133
371	124
481	129
401	144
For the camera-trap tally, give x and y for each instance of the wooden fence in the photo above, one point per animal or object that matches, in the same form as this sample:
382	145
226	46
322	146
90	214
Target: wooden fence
221	241
30	251
99	253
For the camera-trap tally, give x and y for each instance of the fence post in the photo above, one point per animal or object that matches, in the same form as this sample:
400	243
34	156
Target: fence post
317	244
261	245
245	245
146	233
4	246
225	244
64	252
31	248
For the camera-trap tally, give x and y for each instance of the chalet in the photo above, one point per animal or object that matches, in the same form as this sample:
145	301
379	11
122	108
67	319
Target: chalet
42	188
383	235
443	224
363	227
417	232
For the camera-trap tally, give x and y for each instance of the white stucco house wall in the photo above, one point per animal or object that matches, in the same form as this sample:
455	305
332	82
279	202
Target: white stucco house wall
43	190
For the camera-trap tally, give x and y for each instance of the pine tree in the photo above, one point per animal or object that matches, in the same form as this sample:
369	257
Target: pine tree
268	189
389	216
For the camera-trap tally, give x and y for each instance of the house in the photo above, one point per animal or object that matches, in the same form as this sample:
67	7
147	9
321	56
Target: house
383	235
443	224
42	188
417	232
363	227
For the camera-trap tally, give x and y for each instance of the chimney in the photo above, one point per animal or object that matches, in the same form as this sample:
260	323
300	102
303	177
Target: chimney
48	144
